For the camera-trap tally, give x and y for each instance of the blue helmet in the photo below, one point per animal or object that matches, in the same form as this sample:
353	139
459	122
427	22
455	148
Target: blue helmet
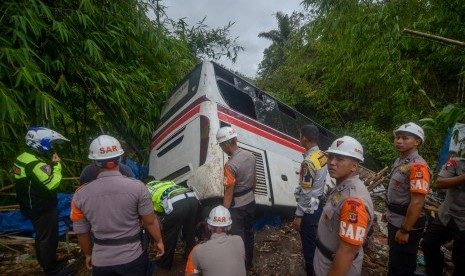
41	138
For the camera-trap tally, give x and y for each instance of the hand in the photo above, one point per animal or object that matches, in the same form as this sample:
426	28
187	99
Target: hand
296	223
89	262
401	238
55	158
160	247
383	218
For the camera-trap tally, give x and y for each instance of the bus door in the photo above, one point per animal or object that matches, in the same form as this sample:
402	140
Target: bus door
263	193
284	174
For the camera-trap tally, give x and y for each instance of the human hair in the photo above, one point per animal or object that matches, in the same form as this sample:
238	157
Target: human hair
310	132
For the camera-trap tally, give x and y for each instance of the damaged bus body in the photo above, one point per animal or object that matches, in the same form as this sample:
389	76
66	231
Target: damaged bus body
184	147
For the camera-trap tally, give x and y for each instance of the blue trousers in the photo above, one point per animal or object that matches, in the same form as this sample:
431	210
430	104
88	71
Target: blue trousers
308	231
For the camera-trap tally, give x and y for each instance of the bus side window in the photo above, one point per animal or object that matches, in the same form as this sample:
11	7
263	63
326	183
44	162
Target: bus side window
236	99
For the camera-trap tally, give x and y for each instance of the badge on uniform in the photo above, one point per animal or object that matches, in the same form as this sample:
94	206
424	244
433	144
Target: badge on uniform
419	174
306	177
46	169
450	164
16	170
403	168
353	215
335	199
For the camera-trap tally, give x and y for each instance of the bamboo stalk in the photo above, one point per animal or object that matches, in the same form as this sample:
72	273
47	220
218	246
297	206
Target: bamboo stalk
435	37
7	187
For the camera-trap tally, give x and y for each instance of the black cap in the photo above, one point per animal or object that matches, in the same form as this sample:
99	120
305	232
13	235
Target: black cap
310	132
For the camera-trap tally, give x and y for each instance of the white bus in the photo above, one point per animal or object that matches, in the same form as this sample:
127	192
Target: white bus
184	148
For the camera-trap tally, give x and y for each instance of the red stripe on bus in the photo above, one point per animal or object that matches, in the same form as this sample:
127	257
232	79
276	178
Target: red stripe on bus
191	113
243	124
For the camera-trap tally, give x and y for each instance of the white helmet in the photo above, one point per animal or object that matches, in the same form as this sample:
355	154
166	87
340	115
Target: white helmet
413	129
225	134
105	147
219	217
347	146
41	138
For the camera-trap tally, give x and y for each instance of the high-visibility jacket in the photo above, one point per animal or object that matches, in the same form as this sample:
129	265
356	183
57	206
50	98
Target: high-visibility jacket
36	183
163	190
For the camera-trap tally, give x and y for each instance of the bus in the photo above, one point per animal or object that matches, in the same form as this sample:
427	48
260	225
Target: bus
184	149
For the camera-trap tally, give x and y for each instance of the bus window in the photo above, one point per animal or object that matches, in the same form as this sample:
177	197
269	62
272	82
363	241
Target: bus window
290	124
182	93
223	74
236	99
267	112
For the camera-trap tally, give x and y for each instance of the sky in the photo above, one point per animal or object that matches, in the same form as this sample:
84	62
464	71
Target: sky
250	16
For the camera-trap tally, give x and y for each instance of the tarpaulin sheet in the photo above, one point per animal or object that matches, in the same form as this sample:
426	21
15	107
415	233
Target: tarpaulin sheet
14	221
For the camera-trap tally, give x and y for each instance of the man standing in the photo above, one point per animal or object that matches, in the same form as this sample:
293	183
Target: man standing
239	183
178	207
309	193
408	186
347	215
37	173
450	223
107	211
223	254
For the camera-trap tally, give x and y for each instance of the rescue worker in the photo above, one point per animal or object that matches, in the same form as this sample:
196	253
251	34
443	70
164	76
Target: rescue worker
177	206
239	182
347	215
106	212
309	193
450	223
37	173
91	171
408	185
223	254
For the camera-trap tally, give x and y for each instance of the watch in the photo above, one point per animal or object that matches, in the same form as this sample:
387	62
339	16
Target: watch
403	230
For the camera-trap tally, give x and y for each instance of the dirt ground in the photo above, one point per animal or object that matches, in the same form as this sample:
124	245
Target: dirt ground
277	252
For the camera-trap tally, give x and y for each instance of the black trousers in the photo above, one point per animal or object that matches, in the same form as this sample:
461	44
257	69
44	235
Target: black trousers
183	217
46	243
308	231
402	257
436	235
138	267
242	223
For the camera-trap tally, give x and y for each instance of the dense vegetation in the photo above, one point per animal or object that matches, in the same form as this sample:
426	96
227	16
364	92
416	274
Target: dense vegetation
348	64
90	67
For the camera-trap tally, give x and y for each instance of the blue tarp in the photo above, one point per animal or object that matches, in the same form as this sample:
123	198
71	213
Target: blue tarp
14	221
140	172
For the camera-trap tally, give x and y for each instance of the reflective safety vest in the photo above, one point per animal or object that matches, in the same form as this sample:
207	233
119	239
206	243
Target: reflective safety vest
36	183
162	191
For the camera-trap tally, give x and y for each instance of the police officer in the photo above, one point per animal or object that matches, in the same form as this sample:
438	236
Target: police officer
347	214
178	207
309	193
37	173
450	223
223	254
408	186
106	211
239	182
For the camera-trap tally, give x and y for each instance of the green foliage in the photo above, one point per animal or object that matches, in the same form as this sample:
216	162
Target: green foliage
376	143
206	43
348	63
84	68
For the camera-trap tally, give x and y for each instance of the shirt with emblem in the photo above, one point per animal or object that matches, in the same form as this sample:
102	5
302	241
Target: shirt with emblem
313	171
239	172
347	216
454	203
409	175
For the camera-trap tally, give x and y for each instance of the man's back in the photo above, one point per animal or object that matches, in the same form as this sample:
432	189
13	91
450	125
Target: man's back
111	206
221	255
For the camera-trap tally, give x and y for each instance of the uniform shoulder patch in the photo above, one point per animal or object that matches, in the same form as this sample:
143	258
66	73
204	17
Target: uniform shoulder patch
452	163
46	169
16	170
354	220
